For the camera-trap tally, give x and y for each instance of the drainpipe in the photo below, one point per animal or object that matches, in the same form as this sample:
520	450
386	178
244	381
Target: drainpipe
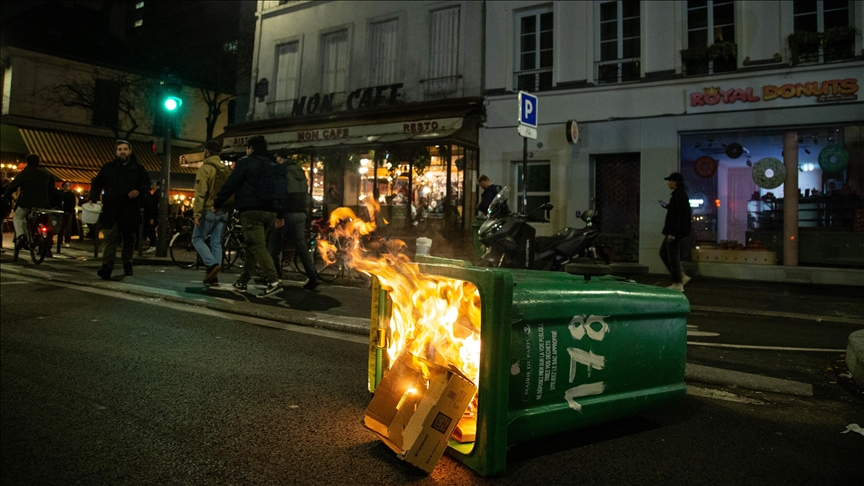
250	114
790	200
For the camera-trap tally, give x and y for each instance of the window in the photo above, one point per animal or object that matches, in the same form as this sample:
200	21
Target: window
709	23
539	185
139	23
822	31
619	45
334	62
382	52
534	50
287	71
106	103
443	67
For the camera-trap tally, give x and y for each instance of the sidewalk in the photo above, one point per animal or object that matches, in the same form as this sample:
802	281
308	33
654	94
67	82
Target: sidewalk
344	305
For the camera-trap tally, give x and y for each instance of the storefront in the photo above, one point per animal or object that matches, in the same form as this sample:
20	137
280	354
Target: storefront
419	161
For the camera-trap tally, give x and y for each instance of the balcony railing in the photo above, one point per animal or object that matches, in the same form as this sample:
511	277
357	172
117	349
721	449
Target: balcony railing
534	80
720	57
617	71
835	44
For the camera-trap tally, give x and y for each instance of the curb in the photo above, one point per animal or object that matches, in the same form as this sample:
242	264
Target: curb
352	325
720	376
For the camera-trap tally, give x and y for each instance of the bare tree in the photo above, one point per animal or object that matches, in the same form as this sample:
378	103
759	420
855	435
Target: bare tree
117	100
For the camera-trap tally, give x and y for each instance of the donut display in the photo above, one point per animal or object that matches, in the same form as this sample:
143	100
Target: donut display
705	166
833	158
760	173
734	150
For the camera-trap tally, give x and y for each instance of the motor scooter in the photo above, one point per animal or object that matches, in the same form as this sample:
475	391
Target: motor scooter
512	243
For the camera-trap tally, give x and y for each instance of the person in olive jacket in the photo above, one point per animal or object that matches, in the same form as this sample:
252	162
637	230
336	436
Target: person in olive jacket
36	183
126	186
675	228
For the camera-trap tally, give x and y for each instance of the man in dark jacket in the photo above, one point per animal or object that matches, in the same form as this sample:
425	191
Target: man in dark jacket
489	192
68	201
291	224
257	212
126	185
36	183
675	228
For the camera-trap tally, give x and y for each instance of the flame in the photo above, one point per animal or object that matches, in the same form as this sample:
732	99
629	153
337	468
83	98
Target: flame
434	318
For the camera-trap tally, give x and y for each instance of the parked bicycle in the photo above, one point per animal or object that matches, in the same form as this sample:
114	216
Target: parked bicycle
184	254
42	224
336	264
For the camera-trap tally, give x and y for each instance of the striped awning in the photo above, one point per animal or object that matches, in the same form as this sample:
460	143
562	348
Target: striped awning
84	152
75	176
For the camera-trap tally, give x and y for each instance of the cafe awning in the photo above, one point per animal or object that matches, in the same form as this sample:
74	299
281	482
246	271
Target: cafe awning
86	152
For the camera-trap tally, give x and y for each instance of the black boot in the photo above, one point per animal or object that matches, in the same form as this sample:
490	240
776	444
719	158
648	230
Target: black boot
127	268
105	272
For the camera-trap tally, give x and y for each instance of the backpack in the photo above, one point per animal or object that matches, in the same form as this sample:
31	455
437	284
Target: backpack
222	176
273	185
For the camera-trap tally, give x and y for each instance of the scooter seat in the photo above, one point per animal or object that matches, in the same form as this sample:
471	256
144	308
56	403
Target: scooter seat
546	243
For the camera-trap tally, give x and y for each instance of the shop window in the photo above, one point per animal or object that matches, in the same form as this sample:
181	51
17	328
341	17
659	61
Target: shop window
821	31
618	43
711	44
287	78
334	62
534	50
539	186
443	66
383	41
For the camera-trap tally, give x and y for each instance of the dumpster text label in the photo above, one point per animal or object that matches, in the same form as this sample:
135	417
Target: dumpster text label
579	327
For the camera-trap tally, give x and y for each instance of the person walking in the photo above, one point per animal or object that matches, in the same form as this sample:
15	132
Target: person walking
151	215
36	183
208	181
68	202
5	207
675	228
489	192
125	183
291	224
258	185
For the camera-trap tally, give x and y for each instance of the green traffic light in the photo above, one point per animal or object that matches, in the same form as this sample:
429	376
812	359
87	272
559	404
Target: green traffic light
172	103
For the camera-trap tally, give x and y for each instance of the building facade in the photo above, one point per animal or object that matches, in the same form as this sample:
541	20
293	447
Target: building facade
375	99
731	94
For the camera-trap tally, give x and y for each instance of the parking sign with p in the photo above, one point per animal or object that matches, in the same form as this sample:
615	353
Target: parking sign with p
527	109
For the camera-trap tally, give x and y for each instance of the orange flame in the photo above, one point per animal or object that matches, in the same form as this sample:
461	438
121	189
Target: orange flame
434	318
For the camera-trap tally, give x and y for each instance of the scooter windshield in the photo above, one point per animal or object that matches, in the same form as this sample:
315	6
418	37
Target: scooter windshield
498	207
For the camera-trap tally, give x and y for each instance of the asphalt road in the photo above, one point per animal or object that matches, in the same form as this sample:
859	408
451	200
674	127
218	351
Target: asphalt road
100	387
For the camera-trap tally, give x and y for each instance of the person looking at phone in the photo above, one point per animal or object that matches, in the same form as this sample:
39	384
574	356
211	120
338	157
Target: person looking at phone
675	228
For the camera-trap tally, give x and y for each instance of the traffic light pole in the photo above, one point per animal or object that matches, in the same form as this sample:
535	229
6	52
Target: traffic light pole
165	180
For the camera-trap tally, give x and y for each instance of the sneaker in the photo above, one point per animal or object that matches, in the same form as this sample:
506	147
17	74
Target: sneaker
311	285
214	282
211	273
272	288
239	286
151	249
676	286
104	272
66	245
684	279
127	268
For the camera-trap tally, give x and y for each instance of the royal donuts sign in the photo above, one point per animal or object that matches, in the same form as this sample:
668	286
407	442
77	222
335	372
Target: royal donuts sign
833	90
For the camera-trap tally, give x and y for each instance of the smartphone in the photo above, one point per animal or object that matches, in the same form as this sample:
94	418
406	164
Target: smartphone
662	204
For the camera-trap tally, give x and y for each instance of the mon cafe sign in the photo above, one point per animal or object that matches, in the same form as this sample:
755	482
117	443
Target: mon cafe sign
305	136
771	95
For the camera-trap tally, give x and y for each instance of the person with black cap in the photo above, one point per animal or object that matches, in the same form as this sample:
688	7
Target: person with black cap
36	183
675	228
126	185
208	181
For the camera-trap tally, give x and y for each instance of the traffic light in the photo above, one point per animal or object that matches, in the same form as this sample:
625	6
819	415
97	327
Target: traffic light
172	103
171	91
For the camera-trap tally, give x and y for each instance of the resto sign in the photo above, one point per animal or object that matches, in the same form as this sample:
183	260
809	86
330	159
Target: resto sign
772	95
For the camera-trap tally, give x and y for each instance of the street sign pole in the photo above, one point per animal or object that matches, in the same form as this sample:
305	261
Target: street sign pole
162	246
527	128
525	175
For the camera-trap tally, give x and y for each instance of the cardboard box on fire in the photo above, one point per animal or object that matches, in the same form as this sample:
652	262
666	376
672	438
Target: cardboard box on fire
417	424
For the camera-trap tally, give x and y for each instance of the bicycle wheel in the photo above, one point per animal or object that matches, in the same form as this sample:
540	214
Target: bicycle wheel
232	251
38	248
183	252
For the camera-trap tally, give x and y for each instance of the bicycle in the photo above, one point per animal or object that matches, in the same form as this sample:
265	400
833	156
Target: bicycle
41	225
337	251
185	255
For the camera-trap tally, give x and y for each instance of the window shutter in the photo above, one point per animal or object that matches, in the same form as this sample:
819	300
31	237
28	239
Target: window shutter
287	56
382	52
334	61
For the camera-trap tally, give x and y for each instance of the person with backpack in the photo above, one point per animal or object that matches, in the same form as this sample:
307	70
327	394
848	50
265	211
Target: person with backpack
209	179
259	187
291	224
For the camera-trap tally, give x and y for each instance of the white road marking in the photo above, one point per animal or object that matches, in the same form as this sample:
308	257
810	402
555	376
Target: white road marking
720	395
766	348
788	315
210	312
14	283
703	333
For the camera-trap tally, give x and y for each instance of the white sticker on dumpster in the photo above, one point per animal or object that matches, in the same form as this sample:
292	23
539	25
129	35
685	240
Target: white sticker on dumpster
595	328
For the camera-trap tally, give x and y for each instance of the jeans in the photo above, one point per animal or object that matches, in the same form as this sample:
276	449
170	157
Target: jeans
670	253
256	224
295	232
212	224
109	245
